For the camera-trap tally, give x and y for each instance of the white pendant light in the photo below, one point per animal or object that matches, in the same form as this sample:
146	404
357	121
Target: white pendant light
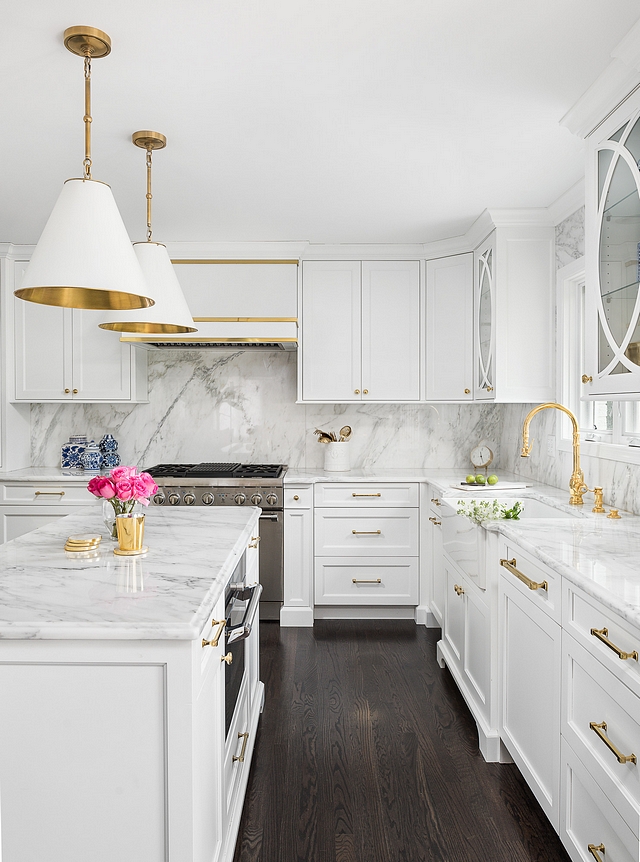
84	257
170	314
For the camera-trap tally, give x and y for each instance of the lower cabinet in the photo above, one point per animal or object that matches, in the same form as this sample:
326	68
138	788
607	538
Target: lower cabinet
24	506
297	609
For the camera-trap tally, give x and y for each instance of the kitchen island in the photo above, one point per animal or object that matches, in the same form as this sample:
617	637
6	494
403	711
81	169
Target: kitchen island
112	692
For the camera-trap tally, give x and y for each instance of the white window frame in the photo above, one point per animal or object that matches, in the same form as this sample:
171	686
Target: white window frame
569	280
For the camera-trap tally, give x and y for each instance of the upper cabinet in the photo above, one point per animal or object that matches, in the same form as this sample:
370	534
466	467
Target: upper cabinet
61	355
613	256
360	331
484	329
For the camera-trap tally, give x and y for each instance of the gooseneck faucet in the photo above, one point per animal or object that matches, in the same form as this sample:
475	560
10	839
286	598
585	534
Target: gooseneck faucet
576	483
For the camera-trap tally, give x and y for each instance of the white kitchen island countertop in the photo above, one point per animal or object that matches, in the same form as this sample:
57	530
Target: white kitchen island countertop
47	593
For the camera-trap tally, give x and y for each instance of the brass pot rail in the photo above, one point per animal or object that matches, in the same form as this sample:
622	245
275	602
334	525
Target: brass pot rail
596	850
240	757
510	566
602	635
599	730
214	640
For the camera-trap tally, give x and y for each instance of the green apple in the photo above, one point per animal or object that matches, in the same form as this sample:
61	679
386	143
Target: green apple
480	480
470	480
492	479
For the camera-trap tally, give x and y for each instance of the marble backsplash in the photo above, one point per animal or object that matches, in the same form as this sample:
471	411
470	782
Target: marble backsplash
240	406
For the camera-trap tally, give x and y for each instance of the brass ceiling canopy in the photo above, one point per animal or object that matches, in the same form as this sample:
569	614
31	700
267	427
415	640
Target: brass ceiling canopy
148	140
87	42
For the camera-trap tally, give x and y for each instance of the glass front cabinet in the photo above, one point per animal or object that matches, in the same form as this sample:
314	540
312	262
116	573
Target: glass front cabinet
613	258
484	302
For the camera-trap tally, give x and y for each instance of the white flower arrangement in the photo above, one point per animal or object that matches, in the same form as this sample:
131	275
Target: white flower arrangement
489	510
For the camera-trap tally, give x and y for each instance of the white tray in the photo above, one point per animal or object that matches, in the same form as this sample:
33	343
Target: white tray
499	486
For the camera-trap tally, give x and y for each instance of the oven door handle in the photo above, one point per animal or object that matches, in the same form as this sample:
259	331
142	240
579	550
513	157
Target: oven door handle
269	516
242	630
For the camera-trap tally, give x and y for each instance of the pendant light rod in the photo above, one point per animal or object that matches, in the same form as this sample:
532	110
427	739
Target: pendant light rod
87	118
149	141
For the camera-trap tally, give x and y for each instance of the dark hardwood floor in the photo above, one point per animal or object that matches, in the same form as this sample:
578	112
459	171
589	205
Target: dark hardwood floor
366	752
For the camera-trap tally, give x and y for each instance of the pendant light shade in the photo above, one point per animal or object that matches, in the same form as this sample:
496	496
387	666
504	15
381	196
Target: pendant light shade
170	312
84	257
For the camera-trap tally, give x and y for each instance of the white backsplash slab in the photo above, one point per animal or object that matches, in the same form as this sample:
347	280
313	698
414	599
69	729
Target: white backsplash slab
240	406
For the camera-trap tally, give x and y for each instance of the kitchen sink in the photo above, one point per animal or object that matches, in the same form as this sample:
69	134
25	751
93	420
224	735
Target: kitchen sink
532	508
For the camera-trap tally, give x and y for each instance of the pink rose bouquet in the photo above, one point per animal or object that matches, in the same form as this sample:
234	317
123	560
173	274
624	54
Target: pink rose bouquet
123	488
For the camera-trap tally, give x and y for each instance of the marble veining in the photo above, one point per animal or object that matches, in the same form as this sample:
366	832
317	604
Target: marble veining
167	594
570	239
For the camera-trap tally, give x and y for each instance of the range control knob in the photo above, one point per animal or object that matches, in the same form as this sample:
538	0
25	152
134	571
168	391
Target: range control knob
189	499
272	499
256	499
207	499
174	499
159	499
239	498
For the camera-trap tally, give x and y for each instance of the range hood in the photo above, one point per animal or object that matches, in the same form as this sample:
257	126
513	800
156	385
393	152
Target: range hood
254	302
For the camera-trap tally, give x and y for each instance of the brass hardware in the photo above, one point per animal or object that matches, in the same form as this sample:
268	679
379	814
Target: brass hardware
50	493
180	339
378	494
245	319
356	392
599	730
587	379
436	501
75	391
467	391
234	260
254	542
595	851
598	508
214	640
602	635
366	532
489	388
228	658
576	483
240	757
356	581
365	391
67	391
295	497
149	141
458	590
613	514
436	522
510	566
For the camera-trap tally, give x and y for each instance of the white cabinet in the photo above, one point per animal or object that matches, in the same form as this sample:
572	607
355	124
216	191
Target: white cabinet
449	347
24	506
514	315
297	609
530	645
360	331
436	573
612	234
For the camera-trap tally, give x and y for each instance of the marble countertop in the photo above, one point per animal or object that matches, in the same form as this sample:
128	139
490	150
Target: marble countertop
166	594
45	474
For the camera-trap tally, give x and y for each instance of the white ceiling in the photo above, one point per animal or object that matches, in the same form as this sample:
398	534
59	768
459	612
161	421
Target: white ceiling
320	120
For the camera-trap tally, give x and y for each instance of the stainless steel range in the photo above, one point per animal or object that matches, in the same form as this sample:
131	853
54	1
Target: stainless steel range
235	485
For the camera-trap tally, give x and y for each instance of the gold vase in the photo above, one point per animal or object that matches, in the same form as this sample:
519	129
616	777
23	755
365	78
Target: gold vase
130	534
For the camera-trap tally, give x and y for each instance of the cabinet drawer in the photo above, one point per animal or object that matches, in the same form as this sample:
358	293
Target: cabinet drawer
368	494
548	597
298	498
44	494
347	581
588	817
360	532
237	741
582	614
592	695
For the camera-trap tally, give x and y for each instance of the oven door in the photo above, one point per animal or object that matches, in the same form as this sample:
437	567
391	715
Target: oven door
271	564
241	611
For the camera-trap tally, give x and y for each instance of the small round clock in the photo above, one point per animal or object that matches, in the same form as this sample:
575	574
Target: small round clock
481	456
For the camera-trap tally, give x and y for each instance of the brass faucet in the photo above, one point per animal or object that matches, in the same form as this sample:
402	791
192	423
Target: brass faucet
576	483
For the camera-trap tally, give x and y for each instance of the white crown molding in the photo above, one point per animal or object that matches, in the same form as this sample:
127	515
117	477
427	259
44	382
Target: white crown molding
612	87
567	203
363	251
236	250
12	251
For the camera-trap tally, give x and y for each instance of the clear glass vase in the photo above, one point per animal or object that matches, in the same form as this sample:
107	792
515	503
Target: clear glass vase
113	507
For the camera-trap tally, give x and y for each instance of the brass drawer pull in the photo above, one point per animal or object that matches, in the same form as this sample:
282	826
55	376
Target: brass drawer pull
459	591
254	542
436	501
228	658
367	532
596	850
436	522
50	493
356	581
366	495
214	640
510	566
240	757
621	758
602	635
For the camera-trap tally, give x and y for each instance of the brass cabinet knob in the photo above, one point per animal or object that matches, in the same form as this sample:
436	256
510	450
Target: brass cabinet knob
489	388
295	497
356	392
458	590
436	501
75	391
228	658
365	391
587	379
67	391
467	392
